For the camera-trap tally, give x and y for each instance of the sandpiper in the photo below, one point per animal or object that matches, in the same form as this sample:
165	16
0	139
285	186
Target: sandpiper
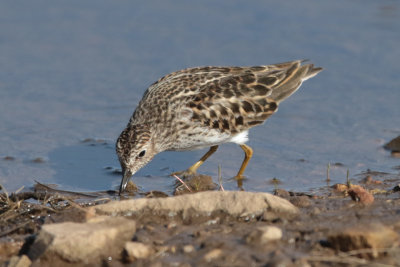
205	107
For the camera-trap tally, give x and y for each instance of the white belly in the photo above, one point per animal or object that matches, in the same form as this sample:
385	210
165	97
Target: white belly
209	138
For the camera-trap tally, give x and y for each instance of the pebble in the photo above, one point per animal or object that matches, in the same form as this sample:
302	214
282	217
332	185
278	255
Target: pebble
38	160
270	216
358	193
264	235
340	187
137	250
315	211
282	193
213	254
396	188
188	248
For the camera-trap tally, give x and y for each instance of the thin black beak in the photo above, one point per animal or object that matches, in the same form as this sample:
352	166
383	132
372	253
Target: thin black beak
125	178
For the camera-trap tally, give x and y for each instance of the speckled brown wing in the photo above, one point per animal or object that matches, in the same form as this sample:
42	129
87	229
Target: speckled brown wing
231	99
236	99
232	104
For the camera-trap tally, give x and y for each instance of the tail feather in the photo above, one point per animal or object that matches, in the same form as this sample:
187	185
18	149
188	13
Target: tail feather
294	75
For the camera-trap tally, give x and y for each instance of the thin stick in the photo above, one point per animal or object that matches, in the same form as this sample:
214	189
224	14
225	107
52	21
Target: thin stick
19	190
220	178
180	180
328	177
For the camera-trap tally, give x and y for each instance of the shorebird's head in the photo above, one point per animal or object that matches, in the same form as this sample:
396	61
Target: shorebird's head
134	149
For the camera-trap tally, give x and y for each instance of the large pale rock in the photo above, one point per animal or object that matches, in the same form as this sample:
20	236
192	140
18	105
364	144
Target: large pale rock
91	242
238	204
372	237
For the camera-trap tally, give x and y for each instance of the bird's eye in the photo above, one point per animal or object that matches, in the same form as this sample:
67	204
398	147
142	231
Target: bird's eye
142	153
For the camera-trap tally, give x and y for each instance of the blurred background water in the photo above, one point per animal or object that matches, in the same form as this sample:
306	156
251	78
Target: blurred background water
74	70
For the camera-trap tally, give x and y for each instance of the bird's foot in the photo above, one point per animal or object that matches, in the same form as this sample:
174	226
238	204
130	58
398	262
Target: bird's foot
239	179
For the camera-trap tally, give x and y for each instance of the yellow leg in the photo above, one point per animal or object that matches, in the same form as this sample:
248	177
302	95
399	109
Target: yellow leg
248	153
192	169
195	166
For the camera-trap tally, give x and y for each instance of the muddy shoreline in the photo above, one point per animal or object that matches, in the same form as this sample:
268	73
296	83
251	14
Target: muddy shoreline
330	228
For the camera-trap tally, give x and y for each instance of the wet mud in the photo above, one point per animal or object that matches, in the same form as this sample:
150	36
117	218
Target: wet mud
354	223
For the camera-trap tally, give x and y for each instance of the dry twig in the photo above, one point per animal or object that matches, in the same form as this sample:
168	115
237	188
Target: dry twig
180	180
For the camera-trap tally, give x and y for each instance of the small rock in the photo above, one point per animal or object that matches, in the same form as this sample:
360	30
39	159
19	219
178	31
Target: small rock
196	183
172	249
340	187
188	249
91	242
282	193
396	188
131	187
270	233
264	234
213	255
393	145
269	216
358	193
19	261
38	160
374	237
88	140
137	250
172	225
300	201
316	211
338	164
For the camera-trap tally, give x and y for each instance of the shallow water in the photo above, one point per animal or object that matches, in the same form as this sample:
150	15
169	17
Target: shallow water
76	70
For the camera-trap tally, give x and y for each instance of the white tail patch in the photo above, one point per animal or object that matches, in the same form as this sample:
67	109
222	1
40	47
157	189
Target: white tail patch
240	138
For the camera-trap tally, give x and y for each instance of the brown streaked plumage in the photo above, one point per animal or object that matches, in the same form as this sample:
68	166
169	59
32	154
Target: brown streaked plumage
205	107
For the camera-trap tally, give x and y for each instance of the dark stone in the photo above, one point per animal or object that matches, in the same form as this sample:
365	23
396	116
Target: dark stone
393	145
